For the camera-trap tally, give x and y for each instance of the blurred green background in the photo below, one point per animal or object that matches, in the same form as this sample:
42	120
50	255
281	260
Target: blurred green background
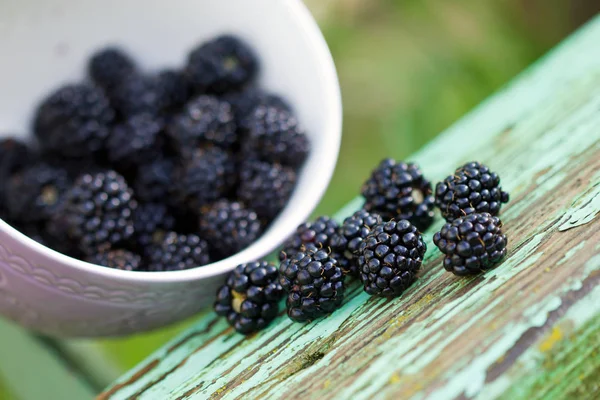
408	69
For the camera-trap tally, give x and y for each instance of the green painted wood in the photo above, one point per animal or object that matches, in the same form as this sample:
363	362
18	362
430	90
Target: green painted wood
528	329
30	371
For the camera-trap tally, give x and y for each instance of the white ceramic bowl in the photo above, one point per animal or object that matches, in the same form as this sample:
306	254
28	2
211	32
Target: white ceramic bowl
46	43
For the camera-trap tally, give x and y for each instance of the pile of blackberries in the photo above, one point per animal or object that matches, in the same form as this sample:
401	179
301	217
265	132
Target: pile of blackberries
381	244
155	171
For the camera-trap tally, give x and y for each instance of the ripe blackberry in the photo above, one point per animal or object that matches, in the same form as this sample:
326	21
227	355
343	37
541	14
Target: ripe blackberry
472	188
229	227
244	103
98	211
208	176
136	141
177	252
314	283
250	297
266	188
221	65
151	222
350	236
118	259
153	180
174	89
320	233
74	121
398	190
274	135
109	67
471	244
390	257
138	94
36	192
204	120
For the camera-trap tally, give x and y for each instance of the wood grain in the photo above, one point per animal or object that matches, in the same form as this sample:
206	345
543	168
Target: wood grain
528	329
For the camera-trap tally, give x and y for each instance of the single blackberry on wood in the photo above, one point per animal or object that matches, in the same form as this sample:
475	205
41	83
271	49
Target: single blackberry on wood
229	227
398	190
98	211
136	141
471	244
151	222
36	192
274	135
314	283
473	188
319	232
266	188
154	180
109	67
350	236
118	259
204	120
390	257
74	121
177	252
244	103
221	65
208	176
250	297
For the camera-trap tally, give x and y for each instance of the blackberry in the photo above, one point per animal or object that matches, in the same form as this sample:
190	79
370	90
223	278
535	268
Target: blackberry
390	257
350	236
136	141
204	120
153	180
118	259
137	94
274	135
229	227
265	187
245	102
14	155
174	89
74	121
398	190
98	211
471	244
250	297
208	176
221	65
151	222
314	283
320	233
109	67
36	192
472	188
177	252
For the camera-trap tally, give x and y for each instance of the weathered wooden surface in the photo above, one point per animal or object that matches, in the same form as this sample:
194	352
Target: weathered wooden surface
528	329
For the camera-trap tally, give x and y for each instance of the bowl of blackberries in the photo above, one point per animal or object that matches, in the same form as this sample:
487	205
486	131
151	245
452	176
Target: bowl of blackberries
148	150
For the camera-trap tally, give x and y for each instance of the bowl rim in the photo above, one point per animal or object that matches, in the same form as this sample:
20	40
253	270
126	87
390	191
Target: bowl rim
332	91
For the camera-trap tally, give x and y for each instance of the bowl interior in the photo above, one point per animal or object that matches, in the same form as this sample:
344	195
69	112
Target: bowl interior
46	44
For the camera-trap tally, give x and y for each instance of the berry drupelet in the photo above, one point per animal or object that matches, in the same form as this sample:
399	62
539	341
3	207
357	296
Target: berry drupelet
314	283
134	142
118	259
151	222
177	252
221	65
154	180
204	120
398	190
109	67
98	211
249	298
266	188
208	176
274	135
74	121
472	188
318	233
350	235
390	257
471	244
229	227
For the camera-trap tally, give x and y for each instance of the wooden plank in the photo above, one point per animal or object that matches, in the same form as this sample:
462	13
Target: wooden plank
528	329
30	371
